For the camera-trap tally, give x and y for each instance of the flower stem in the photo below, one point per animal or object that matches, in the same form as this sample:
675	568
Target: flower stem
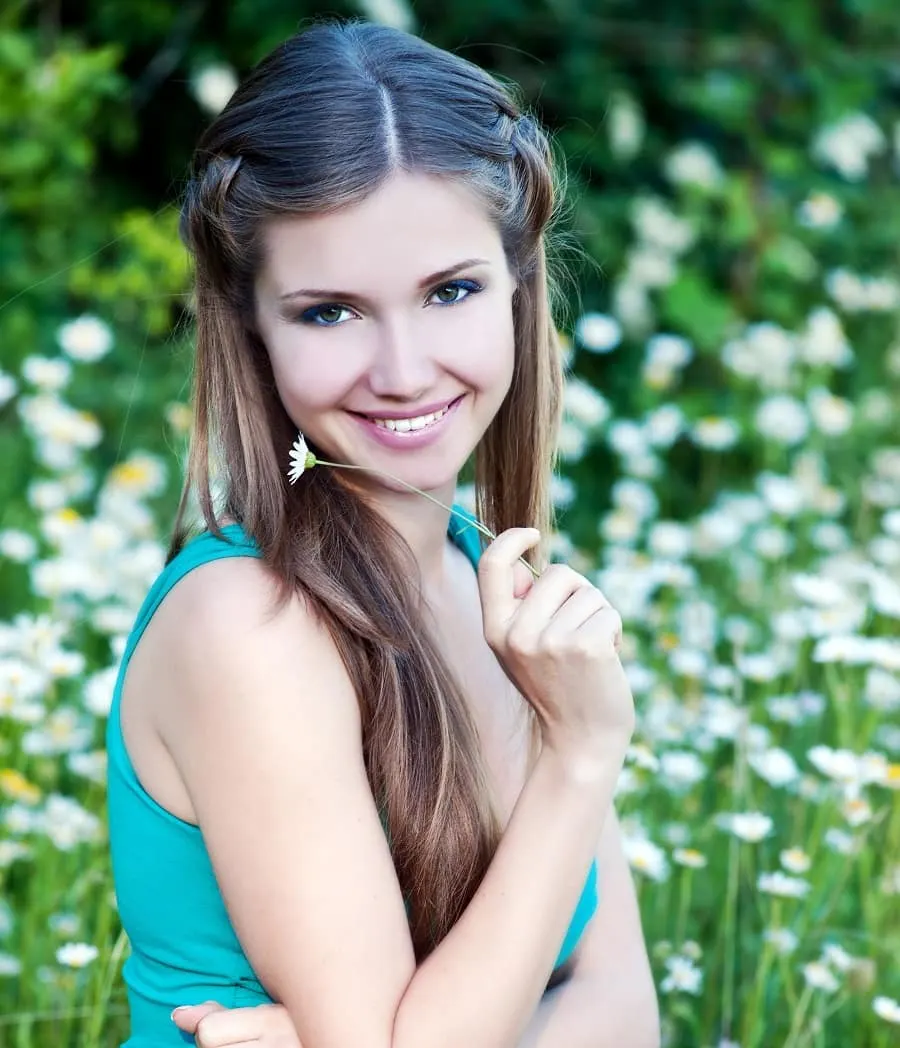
799	1015
473	520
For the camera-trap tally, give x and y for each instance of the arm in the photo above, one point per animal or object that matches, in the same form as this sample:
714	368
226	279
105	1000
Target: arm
610	999
265	732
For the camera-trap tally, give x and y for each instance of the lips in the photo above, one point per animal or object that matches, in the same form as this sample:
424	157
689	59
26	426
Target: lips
410	439
427	410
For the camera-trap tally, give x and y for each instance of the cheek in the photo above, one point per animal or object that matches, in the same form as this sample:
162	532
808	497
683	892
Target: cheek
309	381
493	353
481	351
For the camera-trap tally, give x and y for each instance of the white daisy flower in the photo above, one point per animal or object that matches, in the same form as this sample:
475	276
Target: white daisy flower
782	939
689	857
76	954
819	977
624	125
683	976
840	841
598	332
716	434
301	459
397	13
775	765
12	966
645	857
85	339
694	163
819	211
778	883
8	387
887	1009
837	957
795	860
748	826
213	86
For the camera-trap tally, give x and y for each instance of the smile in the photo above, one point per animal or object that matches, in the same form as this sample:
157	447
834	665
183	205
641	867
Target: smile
404	425
409	432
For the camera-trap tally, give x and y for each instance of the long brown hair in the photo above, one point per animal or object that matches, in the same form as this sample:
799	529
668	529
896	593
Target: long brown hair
319	124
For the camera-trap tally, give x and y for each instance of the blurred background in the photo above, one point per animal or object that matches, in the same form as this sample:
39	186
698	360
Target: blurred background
729	466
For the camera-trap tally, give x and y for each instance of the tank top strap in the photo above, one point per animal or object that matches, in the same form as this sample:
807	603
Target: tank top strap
199	550
196	551
236	542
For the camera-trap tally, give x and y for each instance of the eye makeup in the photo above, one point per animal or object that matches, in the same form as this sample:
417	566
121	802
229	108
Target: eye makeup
313	314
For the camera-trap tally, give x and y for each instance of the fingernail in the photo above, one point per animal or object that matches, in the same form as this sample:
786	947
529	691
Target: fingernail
180	1007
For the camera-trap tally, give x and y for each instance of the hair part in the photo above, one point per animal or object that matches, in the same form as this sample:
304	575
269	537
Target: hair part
318	125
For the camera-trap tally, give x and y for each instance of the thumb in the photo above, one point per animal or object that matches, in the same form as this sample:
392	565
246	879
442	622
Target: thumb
502	581
187	1016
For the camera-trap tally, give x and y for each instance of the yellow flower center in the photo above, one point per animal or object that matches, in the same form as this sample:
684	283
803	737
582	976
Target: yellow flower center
16	786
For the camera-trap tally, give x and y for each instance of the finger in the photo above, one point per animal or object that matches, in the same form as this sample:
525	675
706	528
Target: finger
575	612
229	1043
523	578
601	633
233	1026
186	1017
255	1043
498	585
550	593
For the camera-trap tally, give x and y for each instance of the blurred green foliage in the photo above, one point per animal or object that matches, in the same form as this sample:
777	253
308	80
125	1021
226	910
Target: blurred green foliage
98	119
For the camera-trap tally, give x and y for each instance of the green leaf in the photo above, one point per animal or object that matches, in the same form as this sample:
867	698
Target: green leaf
693	306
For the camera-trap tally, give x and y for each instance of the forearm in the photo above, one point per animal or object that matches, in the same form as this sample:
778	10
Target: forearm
581	1014
485	980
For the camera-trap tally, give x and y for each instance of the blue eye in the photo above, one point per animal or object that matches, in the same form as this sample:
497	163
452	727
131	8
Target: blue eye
471	287
314	314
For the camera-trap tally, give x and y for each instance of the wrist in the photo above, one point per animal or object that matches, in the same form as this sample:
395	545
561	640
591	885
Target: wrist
585	763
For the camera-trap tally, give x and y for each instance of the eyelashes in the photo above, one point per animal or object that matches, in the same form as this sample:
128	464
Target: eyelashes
313	315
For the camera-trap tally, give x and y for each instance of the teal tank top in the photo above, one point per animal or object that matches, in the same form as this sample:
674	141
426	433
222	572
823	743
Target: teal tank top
183	947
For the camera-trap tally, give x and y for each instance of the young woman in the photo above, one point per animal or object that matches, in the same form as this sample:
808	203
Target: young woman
362	768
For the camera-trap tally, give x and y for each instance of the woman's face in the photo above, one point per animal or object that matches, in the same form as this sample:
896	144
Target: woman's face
386	335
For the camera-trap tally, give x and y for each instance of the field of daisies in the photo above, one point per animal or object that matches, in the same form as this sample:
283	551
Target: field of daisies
729	474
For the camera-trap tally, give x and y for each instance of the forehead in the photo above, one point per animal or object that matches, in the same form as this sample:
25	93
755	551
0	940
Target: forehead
411	225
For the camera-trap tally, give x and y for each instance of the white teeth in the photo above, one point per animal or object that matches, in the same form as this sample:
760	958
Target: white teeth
404	425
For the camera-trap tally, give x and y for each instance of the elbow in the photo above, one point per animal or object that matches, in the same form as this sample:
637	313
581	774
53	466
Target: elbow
643	1030
647	1007
641	1019
632	1021
651	1029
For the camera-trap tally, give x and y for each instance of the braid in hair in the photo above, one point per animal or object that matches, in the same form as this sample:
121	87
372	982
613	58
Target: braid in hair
531	159
202	225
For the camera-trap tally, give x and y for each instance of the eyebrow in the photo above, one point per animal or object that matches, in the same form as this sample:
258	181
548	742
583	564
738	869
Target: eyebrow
442	274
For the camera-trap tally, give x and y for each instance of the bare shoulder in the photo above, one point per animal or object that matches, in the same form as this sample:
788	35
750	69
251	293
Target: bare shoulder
218	589
265	734
224	622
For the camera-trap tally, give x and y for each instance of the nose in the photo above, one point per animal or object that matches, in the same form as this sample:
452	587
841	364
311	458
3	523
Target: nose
401	367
